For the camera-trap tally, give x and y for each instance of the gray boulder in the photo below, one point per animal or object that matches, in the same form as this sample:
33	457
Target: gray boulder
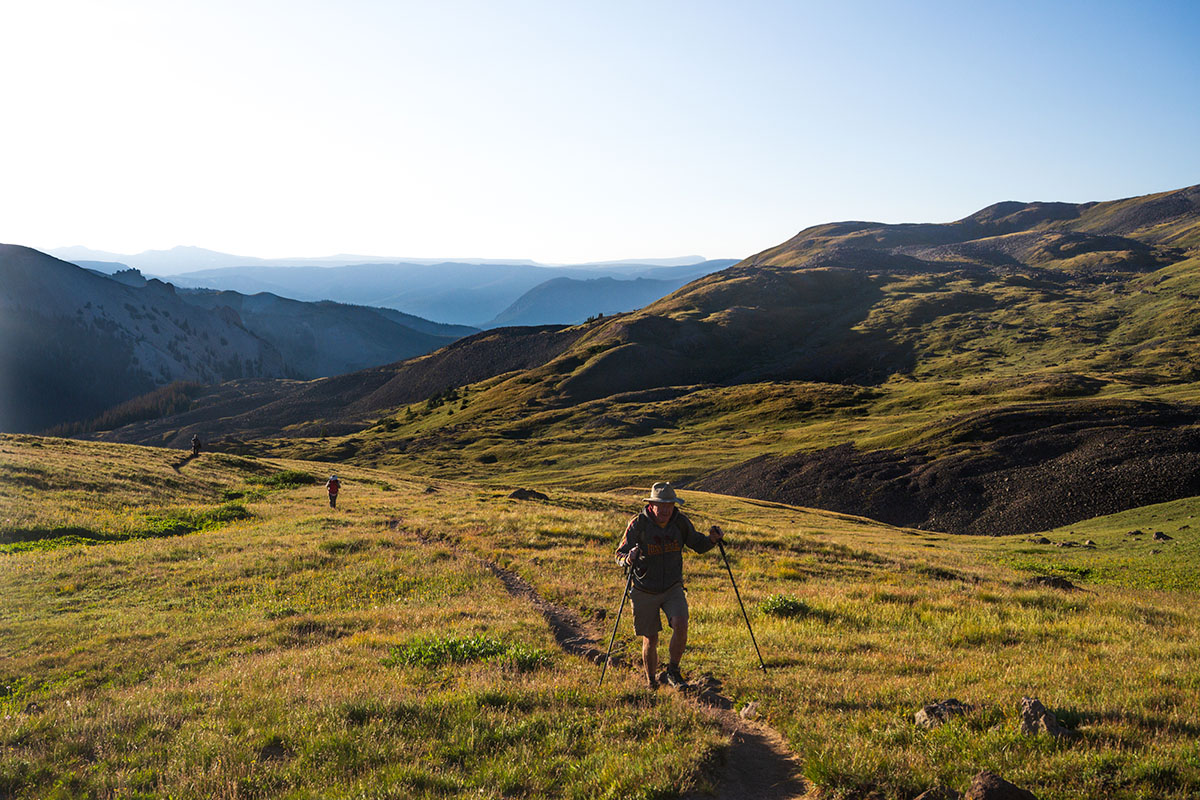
1035	719
990	786
931	716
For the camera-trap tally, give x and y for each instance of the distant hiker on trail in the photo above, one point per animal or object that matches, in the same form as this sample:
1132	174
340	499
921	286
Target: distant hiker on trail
653	549
195	445
332	485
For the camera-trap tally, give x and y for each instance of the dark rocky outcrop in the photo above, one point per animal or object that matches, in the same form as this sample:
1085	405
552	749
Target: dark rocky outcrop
1007	471
528	494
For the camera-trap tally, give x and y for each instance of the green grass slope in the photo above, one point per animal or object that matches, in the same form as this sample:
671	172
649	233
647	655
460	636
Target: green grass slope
293	650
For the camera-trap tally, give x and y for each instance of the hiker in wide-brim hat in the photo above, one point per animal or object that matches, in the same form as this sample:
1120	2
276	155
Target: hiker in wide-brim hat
652	548
662	493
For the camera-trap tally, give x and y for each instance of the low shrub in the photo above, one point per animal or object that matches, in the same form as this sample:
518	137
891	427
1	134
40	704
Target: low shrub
438	651
778	605
184	521
284	479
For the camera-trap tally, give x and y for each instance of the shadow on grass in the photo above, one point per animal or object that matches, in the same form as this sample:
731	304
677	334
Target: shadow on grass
178	522
24	535
1072	719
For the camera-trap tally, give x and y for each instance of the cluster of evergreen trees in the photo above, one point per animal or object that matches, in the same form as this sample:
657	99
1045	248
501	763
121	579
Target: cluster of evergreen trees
174	398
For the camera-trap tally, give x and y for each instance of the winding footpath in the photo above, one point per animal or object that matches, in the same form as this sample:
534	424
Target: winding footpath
758	763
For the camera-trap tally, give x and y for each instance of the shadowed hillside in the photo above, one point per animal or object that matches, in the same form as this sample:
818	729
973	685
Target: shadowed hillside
1015	470
250	410
74	343
319	339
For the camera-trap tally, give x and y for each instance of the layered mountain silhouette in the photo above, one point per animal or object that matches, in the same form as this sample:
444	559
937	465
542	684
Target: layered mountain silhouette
573	300
76	342
189	259
326	338
933	375
461	293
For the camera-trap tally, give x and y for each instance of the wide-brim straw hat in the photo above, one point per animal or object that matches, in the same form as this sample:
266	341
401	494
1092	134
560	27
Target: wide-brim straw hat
662	493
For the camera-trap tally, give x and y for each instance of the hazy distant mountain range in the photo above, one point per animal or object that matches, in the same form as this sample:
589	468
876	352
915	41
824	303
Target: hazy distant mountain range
478	293
573	300
79	339
190	259
481	295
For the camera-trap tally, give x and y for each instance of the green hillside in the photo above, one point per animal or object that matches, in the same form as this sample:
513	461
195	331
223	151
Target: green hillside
209	627
1028	366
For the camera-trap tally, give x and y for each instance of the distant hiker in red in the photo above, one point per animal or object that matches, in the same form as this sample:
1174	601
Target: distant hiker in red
333	485
653	548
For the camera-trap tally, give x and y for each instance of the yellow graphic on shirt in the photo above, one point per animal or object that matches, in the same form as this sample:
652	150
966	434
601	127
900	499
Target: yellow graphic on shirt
658	544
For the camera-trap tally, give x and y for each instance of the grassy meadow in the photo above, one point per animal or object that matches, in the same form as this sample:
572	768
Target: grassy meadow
209	627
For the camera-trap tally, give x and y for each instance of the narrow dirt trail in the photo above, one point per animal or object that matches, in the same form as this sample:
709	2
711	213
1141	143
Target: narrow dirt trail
758	764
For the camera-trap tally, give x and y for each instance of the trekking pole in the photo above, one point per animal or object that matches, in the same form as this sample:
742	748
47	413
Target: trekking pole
604	669
739	599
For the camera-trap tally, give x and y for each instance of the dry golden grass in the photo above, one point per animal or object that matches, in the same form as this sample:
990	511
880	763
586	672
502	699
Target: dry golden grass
252	659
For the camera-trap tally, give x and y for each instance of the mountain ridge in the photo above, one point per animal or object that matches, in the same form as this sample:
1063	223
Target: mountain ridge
571	301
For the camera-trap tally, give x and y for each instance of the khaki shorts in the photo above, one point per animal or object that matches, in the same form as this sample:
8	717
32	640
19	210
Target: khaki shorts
646	619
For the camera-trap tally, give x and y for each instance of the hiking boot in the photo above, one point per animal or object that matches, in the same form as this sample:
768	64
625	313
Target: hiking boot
674	678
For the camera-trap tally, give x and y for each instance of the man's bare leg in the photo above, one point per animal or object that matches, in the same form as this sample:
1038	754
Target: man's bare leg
678	639
650	657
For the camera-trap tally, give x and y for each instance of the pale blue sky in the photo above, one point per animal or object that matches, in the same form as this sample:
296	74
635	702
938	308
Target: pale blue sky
569	131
